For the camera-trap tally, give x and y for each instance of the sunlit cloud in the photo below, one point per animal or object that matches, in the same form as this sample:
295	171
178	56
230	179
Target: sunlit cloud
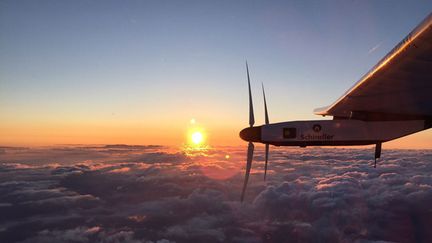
165	194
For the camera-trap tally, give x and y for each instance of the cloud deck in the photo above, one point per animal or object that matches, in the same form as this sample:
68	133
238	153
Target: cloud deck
155	194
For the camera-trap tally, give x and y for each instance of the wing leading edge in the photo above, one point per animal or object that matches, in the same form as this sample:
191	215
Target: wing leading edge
399	87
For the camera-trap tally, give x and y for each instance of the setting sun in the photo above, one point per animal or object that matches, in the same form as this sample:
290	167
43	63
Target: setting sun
197	137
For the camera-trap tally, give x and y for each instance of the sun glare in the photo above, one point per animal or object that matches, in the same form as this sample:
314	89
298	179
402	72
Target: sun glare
197	138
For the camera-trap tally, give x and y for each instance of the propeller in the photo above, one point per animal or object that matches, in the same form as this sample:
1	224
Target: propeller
248	167
252	134
250	145
251	112
267	146
265	106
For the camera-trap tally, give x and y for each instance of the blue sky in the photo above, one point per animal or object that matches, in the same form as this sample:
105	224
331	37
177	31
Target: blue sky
154	62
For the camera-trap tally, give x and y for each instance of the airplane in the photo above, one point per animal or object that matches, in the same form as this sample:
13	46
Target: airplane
392	100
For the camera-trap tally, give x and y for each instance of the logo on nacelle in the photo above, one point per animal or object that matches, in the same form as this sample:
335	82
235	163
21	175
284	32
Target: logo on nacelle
316	128
317	134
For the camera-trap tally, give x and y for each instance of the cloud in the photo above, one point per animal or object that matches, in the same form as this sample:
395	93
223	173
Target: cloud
120	193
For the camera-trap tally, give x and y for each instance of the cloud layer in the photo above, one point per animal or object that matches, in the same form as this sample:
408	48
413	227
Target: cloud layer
120	193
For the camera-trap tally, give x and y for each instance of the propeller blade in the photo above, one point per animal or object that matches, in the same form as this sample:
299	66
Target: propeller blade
248	168
251	112
266	159
265	106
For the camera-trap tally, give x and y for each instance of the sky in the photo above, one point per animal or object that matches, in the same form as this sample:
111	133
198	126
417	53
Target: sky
137	72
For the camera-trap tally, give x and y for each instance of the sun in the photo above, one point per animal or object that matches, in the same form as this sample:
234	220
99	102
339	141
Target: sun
197	138
196	135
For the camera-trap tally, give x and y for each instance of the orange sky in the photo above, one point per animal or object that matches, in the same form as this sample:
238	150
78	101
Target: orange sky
163	133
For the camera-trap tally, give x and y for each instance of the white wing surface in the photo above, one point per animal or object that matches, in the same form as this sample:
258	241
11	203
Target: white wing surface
399	87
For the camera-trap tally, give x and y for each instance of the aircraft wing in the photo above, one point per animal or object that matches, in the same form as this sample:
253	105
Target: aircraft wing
399	87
